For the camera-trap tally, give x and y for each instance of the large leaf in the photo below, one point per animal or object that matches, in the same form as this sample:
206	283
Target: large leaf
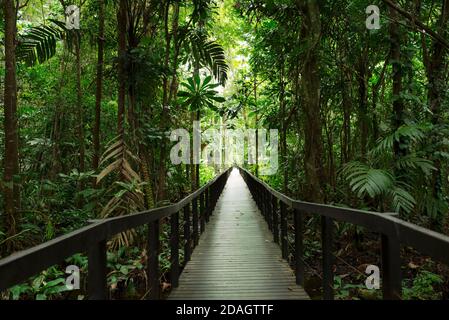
208	53
402	200
38	44
366	180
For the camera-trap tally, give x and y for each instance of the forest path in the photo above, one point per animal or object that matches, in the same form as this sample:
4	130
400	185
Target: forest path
236	257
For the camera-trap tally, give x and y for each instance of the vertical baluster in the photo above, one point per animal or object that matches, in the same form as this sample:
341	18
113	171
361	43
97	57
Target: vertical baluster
267	205
299	248
328	272
284	240
97	282
202	218
391	268
212	200
207	210
262	204
187	244
174	249
153	260
275	220
270	211
195	221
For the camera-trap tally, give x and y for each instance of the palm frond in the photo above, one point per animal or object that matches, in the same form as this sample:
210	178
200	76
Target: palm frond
366	180
412	133
207	52
412	162
402	200
126	191
38	44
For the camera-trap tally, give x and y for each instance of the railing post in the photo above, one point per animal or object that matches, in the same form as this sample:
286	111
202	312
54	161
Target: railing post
261	194
202	215
391	268
97	282
270	211
275	220
153	260
195	221
257	194
299	248
207	205
284	240
174	249
328	272
266	206
187	244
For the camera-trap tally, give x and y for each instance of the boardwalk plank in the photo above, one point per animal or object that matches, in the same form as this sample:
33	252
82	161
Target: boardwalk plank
236	257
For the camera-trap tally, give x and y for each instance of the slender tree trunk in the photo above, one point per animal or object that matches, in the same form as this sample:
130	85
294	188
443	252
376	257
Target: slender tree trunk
375	98
257	125
398	72
284	126
11	188
192	165
56	136
80	112
165	109
347	109
310	89
362	78
121	29
197	167
197	117
177	47
436	69
99	88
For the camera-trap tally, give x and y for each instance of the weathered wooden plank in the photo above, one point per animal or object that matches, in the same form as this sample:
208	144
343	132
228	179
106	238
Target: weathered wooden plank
236	257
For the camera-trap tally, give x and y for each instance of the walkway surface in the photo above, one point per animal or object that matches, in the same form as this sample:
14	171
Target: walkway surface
236	257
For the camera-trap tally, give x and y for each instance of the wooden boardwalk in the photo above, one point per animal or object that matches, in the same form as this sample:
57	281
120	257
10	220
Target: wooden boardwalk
236	257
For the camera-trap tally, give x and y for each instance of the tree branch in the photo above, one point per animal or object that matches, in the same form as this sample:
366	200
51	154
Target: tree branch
418	23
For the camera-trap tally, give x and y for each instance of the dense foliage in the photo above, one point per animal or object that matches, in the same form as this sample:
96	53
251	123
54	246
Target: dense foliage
362	116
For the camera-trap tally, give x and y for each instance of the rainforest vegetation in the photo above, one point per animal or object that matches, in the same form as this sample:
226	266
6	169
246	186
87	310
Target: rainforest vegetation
362	114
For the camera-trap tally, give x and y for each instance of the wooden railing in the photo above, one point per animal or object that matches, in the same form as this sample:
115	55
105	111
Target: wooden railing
196	209
394	233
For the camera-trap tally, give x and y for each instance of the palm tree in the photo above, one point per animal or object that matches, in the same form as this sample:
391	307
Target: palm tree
199	95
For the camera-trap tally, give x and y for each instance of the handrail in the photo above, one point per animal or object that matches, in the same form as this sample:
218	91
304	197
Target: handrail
394	232
92	238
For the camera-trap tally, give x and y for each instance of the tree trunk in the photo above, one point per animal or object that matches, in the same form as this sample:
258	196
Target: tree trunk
346	79
11	187
99	88
121	28
310	88
80	113
165	108
436	69
284	126
362	78
257	125
398	72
